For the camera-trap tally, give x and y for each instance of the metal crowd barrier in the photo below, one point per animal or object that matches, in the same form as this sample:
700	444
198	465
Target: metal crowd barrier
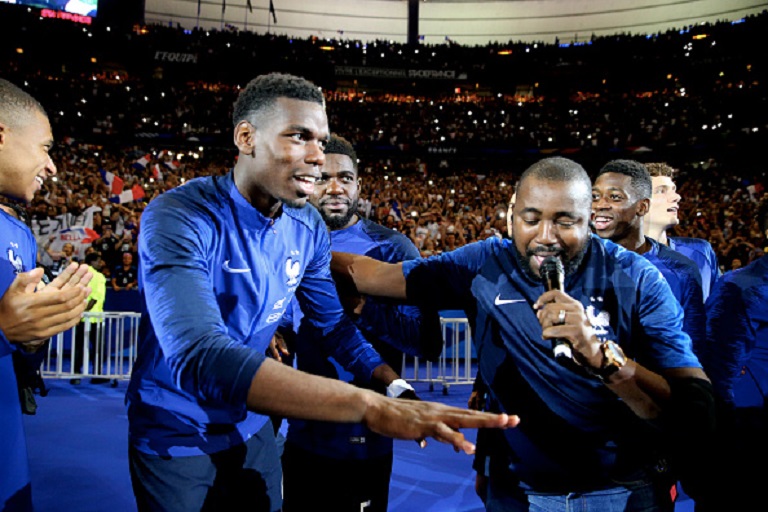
455	363
111	356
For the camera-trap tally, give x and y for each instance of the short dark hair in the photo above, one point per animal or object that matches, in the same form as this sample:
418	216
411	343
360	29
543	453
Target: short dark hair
640	180
660	169
338	145
16	105
559	169
261	92
92	257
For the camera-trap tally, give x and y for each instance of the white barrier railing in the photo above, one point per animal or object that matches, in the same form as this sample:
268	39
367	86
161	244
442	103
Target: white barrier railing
455	363
115	338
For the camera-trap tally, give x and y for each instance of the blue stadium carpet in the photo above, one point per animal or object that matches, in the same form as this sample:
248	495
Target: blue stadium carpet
78	456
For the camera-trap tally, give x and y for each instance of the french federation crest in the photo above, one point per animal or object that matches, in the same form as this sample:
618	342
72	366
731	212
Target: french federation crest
292	271
15	259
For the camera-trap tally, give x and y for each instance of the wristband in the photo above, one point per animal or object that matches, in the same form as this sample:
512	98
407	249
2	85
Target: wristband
397	387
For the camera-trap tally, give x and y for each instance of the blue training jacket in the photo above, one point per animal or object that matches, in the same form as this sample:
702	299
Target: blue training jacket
19	250
574	433
737	335
390	326
216	277
682	275
702	253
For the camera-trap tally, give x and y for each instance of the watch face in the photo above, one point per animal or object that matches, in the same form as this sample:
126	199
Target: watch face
614	356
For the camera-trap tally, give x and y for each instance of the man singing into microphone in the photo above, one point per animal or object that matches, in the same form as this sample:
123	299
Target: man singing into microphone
595	429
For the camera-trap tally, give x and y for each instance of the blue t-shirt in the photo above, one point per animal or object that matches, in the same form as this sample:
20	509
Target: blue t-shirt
702	253
18	255
574	432
682	275
216	277
390	326
737	335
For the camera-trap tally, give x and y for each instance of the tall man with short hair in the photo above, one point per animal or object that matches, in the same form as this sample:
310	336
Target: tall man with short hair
26	317
221	258
350	452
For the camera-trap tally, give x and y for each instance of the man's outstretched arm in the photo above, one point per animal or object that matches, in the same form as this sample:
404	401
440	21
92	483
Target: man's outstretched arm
370	276
307	396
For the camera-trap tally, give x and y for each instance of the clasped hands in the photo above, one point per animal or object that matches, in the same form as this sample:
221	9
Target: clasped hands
31	312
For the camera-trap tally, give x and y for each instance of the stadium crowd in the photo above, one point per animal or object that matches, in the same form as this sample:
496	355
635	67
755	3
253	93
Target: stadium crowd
439	157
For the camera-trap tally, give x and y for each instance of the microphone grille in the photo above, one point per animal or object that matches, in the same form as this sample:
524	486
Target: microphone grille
551	266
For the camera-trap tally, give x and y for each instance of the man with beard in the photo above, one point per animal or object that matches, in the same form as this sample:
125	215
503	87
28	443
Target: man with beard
351	453
221	258
593	427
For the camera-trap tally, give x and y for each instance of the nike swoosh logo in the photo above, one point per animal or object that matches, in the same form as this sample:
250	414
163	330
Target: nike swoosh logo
500	302
231	270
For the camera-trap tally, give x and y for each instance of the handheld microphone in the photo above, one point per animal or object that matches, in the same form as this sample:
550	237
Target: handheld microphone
553	275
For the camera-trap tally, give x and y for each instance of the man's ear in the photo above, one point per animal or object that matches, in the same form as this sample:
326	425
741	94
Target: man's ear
643	206
245	133
3	135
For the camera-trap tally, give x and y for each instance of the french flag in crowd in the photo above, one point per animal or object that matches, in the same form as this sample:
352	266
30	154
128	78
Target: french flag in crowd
142	162
115	183
157	173
134	194
171	164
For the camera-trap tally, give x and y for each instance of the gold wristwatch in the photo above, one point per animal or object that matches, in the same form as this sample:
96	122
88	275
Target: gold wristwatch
613	360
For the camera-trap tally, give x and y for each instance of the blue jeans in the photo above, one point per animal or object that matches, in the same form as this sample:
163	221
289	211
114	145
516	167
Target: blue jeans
639	496
244	477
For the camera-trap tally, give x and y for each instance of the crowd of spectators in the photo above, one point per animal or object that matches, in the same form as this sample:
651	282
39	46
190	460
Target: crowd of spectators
438	212
439	158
